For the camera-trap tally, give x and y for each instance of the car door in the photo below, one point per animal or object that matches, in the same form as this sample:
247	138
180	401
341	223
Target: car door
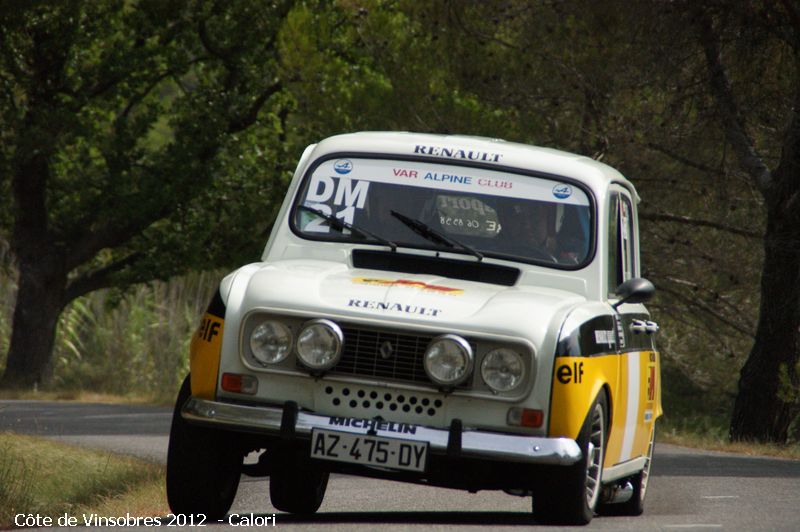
635	407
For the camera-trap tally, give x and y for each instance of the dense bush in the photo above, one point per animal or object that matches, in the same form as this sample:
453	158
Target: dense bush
134	342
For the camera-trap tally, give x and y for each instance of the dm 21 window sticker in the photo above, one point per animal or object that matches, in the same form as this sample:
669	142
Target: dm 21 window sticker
334	194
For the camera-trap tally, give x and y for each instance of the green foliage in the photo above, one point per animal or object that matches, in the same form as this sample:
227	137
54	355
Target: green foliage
154	118
373	65
134	342
140	141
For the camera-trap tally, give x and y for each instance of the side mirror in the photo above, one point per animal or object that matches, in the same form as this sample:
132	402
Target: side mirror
636	290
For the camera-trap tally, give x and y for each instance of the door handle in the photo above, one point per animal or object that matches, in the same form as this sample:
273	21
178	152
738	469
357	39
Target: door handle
643	326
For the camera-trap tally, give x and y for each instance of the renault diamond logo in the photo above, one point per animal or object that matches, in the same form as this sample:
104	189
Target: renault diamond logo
386	350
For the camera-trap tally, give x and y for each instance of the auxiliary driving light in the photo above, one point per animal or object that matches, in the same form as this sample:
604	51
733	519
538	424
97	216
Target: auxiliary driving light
448	360
319	344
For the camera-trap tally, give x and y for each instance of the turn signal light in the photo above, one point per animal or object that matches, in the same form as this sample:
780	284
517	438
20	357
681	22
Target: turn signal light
525	417
233	382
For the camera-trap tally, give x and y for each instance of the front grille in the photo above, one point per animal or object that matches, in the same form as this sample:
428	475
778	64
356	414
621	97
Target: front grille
386	354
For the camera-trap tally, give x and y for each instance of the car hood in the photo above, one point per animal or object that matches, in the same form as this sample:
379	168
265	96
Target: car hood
320	288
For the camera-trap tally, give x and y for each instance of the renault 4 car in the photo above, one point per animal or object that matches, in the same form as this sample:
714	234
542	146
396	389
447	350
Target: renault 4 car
444	310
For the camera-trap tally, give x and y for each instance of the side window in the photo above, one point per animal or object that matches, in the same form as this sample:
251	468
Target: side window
621	253
626	239
614	271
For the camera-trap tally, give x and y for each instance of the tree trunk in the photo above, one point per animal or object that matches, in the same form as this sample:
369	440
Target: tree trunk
40	299
761	412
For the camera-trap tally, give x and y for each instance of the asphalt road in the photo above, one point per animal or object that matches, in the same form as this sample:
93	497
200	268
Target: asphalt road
690	490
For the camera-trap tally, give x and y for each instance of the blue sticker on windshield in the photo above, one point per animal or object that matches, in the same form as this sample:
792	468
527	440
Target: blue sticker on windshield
343	166
562	191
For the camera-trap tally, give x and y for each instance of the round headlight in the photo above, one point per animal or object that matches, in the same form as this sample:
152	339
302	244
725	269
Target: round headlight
319	344
503	369
270	342
448	360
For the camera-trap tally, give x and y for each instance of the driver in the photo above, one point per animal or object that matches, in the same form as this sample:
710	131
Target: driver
527	227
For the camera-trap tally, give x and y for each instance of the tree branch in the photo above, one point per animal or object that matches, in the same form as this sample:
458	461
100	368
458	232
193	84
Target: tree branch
702	306
110	236
733	122
156	80
220	53
247	119
92	242
137	98
97	279
680	158
664	217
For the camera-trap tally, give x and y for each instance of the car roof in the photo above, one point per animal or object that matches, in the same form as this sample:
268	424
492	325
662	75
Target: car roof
471	149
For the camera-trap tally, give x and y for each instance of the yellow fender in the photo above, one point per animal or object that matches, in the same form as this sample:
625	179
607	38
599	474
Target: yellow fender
205	349
632	382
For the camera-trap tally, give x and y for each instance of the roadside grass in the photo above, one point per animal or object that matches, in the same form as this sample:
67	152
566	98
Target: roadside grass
52	478
703	432
699	417
166	398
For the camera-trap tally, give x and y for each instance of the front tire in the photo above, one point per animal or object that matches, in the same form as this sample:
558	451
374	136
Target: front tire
574	493
296	484
203	468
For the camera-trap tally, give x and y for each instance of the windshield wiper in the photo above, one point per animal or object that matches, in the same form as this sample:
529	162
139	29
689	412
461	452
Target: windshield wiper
339	224
433	235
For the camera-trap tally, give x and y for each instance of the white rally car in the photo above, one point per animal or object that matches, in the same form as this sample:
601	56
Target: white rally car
444	310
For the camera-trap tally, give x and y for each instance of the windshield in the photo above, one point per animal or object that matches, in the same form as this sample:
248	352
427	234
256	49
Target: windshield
497	214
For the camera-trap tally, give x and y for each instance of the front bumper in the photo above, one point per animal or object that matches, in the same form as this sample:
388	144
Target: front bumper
288	422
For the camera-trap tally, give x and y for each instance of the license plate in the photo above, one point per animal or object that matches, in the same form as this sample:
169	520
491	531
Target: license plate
368	450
